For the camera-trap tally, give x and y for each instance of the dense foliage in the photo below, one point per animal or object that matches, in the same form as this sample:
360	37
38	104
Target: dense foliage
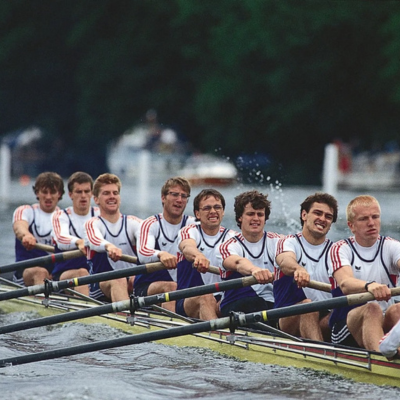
274	79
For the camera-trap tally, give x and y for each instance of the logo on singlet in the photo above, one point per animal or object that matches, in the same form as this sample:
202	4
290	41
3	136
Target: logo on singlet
303	264
357	268
164	243
201	248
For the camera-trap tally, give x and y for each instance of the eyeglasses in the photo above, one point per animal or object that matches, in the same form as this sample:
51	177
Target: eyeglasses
217	208
182	195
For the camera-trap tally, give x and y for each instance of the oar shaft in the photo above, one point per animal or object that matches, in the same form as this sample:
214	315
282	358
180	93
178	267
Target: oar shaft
69	316
325	287
222	323
41	261
84	280
109	344
125	305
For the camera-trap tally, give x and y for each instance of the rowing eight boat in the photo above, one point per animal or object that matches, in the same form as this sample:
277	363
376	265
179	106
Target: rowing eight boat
245	344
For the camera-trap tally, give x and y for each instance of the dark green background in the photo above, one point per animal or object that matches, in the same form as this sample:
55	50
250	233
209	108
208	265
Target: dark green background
272	79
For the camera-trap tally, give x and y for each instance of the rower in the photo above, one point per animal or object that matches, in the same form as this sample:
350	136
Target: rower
365	262
252	252
158	240
68	229
32	225
197	246
109	236
300	258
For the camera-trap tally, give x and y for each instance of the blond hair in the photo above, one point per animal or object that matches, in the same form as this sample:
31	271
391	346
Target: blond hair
363	200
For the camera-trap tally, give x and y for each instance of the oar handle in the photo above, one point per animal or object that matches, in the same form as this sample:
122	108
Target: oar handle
151	267
214	270
130	259
251	280
364	297
45	247
68	255
324	287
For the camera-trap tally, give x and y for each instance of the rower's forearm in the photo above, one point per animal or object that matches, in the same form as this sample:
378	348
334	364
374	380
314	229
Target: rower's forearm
288	266
21	230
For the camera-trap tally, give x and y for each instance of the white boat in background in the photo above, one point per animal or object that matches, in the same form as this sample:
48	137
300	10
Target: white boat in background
362	171
206	169
150	152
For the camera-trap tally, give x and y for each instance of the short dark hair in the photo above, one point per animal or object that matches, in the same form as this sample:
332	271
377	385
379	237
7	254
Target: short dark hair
319	197
257	200
51	181
204	194
79	178
105	179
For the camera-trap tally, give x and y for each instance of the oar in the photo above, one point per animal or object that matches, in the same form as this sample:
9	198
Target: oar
325	287
55	286
137	302
45	247
238	320
51	259
41	261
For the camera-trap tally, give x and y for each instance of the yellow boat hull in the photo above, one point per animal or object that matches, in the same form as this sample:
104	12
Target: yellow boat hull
356	364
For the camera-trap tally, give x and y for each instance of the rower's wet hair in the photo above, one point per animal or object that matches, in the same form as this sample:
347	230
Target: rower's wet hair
105	179
257	200
362	200
319	197
51	181
79	178
176	181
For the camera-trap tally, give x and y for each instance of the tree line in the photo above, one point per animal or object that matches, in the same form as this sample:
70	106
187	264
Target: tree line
268	82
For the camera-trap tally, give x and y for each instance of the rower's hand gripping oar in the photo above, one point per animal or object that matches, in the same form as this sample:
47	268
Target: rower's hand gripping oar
133	303
138	302
55	286
237	320
325	287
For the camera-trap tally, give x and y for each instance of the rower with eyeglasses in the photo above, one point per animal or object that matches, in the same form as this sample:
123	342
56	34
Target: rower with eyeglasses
197	245
177	194
158	240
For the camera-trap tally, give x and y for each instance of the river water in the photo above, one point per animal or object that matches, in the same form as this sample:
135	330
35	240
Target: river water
154	371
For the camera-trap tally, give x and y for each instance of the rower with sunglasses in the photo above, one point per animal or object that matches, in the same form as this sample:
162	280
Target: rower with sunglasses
198	244
158	240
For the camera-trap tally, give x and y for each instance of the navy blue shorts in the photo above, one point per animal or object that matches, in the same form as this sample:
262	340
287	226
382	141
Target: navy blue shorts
341	335
179	308
249	305
142	290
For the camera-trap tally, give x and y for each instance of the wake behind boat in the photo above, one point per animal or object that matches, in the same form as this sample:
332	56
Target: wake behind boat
242	343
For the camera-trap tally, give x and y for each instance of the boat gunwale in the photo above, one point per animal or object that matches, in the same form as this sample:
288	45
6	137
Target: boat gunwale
330	354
